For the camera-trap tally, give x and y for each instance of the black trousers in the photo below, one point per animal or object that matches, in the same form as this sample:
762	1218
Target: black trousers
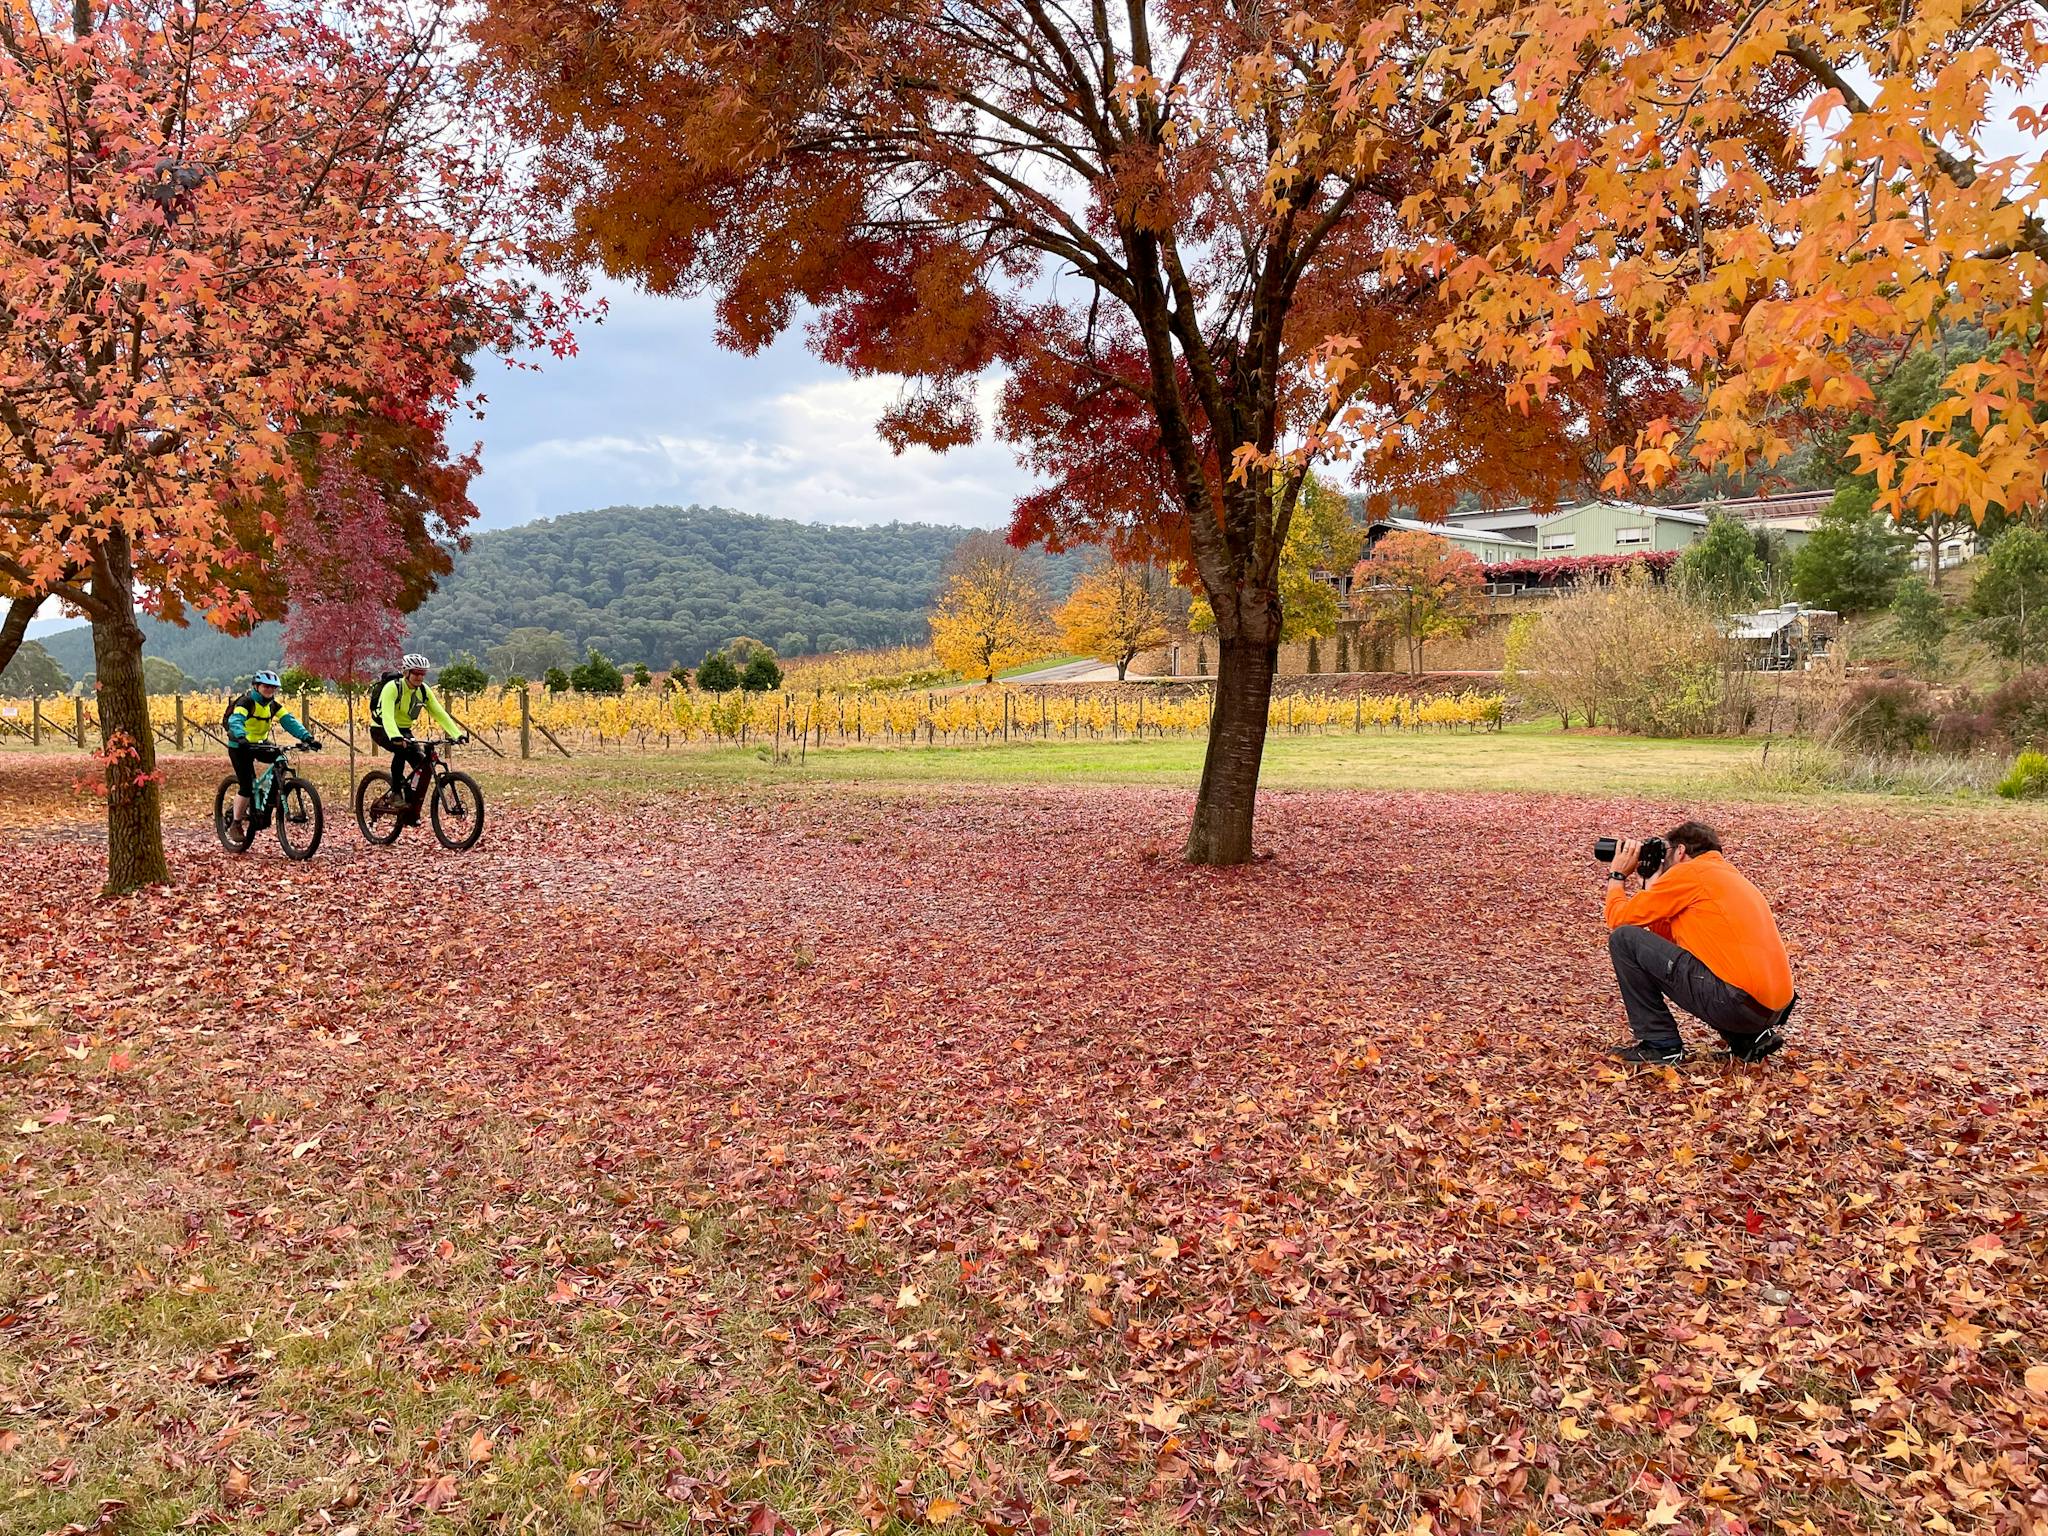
406	757
1654	973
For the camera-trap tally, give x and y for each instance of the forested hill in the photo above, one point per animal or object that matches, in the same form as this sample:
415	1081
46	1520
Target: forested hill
652	584
663	584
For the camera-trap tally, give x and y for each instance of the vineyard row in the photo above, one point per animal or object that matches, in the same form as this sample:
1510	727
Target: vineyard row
649	718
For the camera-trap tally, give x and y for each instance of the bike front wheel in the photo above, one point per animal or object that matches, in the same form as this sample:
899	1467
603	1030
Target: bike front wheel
457	812
378	806
300	820
223	818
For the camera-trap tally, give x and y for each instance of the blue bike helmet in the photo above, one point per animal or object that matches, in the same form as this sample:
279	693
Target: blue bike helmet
269	679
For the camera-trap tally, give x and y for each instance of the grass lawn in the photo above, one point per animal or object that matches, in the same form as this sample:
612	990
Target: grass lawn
1043	664
705	1152
1523	758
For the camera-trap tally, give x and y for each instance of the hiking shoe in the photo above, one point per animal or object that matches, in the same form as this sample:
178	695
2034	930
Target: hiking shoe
1650	1055
1754	1050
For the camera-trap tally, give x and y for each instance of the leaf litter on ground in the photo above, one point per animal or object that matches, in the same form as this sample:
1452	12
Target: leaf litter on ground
824	1160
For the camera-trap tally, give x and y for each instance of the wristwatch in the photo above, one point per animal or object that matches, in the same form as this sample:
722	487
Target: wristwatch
1620	878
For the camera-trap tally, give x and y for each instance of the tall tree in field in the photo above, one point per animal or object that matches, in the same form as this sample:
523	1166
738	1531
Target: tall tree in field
991	608
1417	586
1212	241
218	225
1155	218
1115	611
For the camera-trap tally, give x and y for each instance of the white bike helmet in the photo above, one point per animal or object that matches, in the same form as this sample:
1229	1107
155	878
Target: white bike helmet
415	662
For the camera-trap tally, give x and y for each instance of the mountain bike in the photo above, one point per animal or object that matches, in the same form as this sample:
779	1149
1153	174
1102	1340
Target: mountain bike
454	803
279	794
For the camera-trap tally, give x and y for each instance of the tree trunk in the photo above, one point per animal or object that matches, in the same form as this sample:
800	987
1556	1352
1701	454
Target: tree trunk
135	834
14	628
1222	829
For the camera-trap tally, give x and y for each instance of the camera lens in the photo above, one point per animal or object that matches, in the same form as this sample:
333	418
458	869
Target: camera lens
1605	848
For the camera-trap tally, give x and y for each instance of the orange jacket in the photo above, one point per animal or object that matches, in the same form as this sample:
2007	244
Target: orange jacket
1706	908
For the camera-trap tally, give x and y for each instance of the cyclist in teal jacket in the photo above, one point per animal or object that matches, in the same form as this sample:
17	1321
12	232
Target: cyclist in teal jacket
248	722
397	705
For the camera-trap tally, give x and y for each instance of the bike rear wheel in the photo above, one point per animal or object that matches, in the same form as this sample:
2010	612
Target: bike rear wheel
457	811
377	809
224	810
300	819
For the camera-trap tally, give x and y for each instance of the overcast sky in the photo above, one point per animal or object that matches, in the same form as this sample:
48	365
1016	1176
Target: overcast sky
652	411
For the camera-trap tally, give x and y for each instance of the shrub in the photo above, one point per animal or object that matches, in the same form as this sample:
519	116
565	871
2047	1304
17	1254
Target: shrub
596	674
763	674
1920	619
1962	727
1633	655
1722	570
2028	779
717	674
2019	710
1574	570
556	680
462	677
641	675
1887	715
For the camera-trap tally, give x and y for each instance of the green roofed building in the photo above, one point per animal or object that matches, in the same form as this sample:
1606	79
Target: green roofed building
1590	528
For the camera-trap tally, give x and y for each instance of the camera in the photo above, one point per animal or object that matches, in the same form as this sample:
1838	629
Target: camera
1648	862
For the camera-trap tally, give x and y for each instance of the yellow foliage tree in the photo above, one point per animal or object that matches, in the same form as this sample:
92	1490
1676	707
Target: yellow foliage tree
991	612
1116	611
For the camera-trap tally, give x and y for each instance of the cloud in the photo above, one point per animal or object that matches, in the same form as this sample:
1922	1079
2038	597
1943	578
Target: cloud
809	453
652	411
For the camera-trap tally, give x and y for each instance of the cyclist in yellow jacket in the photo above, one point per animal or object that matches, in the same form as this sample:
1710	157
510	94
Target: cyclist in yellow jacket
398	703
248	723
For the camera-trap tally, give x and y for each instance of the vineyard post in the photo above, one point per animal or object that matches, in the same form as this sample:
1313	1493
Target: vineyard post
525	725
929	720
1357	711
1141	717
78	718
35	715
1006	719
1112	717
178	720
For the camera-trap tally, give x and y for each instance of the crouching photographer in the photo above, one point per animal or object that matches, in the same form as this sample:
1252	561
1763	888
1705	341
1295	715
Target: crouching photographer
1697	934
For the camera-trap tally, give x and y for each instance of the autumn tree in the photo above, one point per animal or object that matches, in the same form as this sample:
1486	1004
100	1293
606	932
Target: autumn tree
1222	192
1323	540
1116	610
225	232
342	560
1211	243
1418	586
991	610
1903	389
